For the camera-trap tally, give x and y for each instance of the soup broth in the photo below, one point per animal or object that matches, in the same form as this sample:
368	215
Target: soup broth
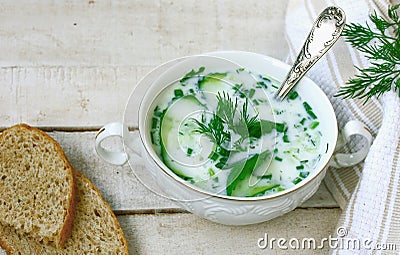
225	133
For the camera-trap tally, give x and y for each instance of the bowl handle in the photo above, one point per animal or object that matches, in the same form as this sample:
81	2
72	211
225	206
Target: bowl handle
116	129
351	128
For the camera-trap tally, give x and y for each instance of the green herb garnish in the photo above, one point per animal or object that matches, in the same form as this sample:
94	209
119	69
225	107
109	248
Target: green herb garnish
214	129
191	74
381	46
189	152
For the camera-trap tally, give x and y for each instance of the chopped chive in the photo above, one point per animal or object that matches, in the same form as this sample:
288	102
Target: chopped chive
285	138
307	106
327	147
180	133
280	127
220	165
302	121
314	124
178	93
304	174
222	151
300	167
312	114
191	91
213	156
255	102
278	158
304	161
189	152
267	177
297	180
211	172
293	95
274	86
237	87
154	123
152	137
276	150
251	93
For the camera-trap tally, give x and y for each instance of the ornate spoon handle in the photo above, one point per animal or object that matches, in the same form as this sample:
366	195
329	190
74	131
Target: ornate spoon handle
324	33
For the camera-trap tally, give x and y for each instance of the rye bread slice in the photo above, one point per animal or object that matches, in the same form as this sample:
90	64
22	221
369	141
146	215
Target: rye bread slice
37	190
96	229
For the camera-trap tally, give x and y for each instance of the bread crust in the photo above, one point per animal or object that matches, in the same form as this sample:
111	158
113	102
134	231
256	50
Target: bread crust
90	186
69	217
126	250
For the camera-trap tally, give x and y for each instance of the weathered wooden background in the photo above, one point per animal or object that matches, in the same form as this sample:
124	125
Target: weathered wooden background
69	67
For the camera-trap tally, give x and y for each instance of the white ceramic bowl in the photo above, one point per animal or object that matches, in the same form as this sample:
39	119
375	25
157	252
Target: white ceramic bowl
219	208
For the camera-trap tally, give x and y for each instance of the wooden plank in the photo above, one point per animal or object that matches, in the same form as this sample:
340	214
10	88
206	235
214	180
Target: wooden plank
183	233
118	184
76	66
188	234
126	33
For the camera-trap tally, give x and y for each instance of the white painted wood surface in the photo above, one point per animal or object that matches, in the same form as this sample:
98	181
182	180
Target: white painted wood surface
70	66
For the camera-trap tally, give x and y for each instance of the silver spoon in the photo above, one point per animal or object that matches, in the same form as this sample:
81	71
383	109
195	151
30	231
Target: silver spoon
325	32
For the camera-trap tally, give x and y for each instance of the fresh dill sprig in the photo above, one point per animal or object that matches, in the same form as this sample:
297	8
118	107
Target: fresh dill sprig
227	118
245	124
381	46
214	129
226	109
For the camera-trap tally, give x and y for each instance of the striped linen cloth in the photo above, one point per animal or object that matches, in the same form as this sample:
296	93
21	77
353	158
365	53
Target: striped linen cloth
368	193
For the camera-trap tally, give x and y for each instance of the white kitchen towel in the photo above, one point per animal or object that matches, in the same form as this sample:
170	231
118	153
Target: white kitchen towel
368	193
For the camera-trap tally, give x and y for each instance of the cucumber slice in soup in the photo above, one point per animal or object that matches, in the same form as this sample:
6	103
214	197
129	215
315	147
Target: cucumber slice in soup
211	84
241	173
177	135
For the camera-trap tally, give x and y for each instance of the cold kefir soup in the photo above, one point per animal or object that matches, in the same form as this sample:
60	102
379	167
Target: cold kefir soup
225	133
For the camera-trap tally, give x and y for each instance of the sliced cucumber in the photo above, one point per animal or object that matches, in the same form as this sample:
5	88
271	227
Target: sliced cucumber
177	135
213	84
239	179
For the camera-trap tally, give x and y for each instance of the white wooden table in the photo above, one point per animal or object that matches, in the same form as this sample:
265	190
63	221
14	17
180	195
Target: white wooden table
68	67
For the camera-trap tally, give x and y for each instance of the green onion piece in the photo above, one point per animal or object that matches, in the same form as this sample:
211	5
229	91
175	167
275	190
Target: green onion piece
307	106
312	114
251	93
278	158
266	177
154	122
314	124
293	95
152	137
178	93
304	174
276	150
220	165
299	167
297	180
304	161
211	172
213	156
280	127
285	138
302	121
222	151
189	152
